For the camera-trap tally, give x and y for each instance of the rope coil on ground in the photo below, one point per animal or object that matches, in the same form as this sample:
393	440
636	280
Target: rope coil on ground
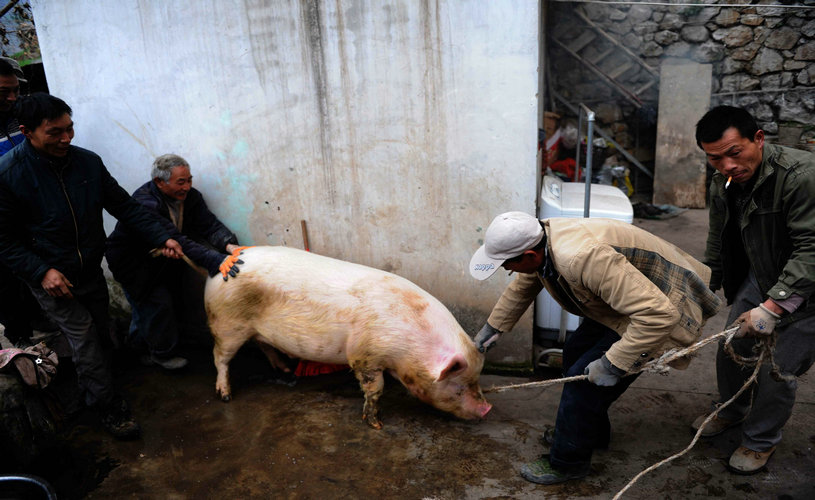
763	349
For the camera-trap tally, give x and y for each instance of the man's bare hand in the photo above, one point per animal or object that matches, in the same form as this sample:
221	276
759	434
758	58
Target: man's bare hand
56	284
172	249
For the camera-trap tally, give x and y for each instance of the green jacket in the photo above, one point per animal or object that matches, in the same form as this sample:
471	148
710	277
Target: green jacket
777	230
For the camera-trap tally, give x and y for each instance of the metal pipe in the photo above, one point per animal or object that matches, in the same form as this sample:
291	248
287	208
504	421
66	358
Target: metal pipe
49	491
577	148
607	137
589	138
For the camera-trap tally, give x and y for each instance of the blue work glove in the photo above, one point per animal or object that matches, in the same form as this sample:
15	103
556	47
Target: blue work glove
601	372
486	338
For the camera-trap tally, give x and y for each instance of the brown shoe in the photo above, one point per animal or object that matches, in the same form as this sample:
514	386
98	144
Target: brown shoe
746	461
716	426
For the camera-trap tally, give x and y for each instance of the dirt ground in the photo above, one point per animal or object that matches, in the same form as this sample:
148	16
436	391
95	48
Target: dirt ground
308	440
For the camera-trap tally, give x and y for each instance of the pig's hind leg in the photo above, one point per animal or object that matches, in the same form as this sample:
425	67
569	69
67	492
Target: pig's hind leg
225	348
372	383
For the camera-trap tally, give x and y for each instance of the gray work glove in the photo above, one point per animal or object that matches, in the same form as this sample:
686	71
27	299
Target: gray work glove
757	322
486	338
601	372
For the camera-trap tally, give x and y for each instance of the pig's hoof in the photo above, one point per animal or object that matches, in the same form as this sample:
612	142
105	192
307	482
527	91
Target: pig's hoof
226	398
373	422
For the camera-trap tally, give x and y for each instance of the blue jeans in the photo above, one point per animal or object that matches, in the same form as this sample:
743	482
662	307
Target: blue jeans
582	417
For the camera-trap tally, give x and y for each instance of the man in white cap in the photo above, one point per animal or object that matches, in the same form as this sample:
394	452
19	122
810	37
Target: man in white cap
638	295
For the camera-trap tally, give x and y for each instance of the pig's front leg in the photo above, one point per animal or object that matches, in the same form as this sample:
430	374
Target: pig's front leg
372	383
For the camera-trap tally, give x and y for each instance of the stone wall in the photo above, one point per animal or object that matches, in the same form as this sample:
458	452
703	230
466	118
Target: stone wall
763	59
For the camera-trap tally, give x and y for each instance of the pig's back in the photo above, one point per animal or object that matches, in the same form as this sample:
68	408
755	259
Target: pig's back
316	307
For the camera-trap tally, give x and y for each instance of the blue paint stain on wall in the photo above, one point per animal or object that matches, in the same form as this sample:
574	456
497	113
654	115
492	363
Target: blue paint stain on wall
240	149
226	118
239	181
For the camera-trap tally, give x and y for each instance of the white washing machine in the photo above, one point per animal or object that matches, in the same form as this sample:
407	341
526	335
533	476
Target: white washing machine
567	199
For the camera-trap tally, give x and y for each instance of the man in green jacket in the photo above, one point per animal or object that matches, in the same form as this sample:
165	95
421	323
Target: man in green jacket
761	251
638	294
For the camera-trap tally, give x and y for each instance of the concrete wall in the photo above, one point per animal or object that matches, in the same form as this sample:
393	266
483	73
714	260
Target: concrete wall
396	129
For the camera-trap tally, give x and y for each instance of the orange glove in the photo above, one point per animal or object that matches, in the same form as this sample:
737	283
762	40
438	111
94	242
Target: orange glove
240	250
229	267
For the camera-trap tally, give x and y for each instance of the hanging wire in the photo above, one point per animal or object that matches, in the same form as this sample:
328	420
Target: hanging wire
671	4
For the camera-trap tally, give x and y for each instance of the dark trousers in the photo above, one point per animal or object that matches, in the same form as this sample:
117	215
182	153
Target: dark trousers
83	319
582	417
172	304
772	401
18	308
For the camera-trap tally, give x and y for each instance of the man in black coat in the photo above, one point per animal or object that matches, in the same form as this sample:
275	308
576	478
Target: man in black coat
51	235
153	285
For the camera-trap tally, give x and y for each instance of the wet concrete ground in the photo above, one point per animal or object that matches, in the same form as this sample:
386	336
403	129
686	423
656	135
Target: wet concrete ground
308	441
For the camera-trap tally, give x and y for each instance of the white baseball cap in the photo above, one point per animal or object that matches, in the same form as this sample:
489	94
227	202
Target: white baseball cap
508	235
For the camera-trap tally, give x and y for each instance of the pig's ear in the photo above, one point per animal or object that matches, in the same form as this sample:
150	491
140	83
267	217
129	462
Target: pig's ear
452	365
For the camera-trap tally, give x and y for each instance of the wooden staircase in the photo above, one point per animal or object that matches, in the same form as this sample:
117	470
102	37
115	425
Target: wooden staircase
594	49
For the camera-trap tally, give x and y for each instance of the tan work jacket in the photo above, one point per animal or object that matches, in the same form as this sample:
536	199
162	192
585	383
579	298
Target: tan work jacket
652	293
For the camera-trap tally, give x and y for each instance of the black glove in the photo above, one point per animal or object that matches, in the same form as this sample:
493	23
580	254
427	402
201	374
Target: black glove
601	372
486	338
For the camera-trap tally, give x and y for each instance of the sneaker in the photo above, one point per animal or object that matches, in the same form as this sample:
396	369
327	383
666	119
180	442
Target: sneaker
746	461
117	420
168	363
716	426
541	471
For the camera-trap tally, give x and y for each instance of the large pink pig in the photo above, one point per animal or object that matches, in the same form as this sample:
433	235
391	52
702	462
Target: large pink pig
322	309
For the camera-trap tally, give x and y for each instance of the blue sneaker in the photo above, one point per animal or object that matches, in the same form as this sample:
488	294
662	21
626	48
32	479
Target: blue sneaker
541	471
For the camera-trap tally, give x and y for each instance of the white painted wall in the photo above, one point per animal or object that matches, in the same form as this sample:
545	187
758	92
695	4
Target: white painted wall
396	129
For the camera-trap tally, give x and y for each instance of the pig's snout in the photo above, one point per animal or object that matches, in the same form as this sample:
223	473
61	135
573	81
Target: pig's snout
480	410
474	409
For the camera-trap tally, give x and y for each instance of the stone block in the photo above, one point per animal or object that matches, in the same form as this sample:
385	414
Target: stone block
751	20
695	34
782	38
639	13
746	53
766	61
708	52
727	17
666	37
805	52
737	36
678	49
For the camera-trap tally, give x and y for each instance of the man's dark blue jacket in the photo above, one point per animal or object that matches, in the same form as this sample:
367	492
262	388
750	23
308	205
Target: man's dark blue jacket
51	213
203	238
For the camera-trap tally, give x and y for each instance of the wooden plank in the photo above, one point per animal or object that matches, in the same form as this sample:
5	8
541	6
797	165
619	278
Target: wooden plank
584	39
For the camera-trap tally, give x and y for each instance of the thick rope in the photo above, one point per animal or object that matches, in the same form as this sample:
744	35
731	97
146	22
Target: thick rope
659	365
710	417
763	349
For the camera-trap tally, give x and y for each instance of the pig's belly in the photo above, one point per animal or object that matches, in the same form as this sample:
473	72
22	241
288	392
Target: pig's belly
306	335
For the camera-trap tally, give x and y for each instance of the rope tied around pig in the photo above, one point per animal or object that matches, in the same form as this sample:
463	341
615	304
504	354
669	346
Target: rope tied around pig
763	350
